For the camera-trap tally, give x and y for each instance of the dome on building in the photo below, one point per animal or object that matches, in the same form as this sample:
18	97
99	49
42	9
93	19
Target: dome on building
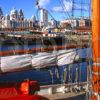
13	14
13	11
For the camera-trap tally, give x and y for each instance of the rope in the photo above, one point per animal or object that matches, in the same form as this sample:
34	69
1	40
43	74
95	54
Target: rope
76	76
65	74
51	74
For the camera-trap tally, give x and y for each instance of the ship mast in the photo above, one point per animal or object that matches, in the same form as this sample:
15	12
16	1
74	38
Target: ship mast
95	49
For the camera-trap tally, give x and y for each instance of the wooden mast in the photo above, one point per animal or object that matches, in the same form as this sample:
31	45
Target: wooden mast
95	49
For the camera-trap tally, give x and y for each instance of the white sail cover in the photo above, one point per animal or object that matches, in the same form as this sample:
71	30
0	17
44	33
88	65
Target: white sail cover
14	63
38	60
65	57
43	59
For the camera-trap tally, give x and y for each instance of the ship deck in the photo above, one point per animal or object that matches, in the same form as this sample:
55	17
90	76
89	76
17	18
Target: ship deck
71	91
67	96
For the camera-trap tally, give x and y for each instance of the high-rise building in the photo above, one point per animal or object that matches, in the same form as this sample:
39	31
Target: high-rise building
43	17
1	16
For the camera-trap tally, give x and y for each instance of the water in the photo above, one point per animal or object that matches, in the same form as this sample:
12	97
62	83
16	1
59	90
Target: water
44	77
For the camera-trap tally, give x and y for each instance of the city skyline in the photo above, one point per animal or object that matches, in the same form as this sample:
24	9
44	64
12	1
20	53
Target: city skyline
53	6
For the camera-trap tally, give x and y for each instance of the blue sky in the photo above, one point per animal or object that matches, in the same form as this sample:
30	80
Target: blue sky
53	6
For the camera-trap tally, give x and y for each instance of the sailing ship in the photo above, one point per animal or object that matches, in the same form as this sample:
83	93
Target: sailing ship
48	56
33	50
58	57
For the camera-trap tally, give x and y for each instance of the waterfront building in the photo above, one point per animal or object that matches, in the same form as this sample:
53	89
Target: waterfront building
16	19
53	23
77	22
70	22
82	22
85	22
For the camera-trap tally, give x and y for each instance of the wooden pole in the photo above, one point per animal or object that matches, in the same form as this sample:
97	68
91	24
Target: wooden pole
95	49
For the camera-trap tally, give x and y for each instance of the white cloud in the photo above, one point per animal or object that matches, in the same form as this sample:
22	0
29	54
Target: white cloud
58	9
67	7
84	7
43	3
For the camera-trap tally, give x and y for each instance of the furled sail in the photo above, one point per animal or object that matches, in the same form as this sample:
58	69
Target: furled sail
37	60
40	60
15	63
65	57
44	59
